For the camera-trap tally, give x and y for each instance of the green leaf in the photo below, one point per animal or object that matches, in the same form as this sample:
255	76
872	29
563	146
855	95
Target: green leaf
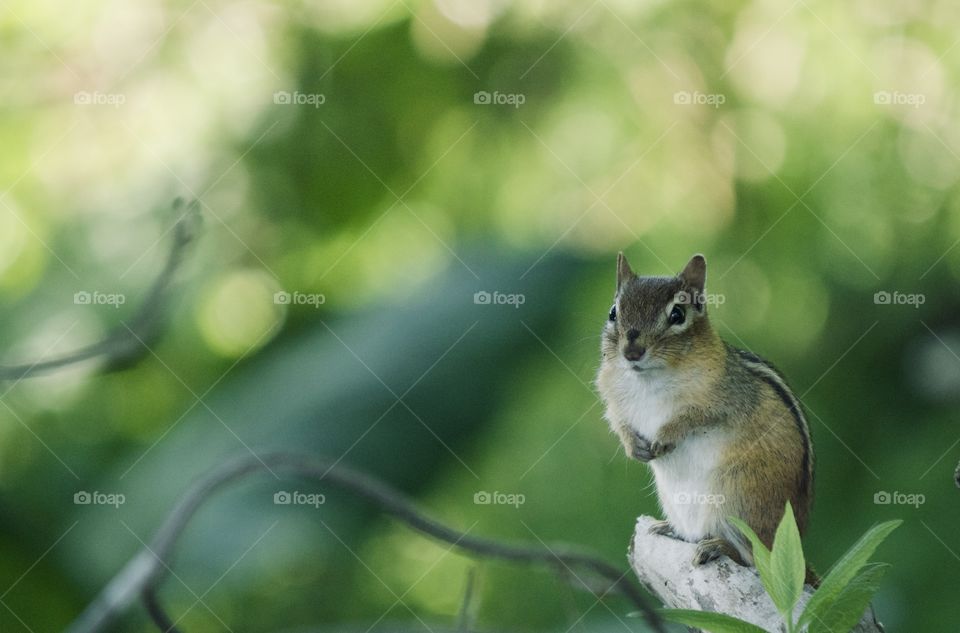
761	560
786	564
760	551
710	621
843	613
845	570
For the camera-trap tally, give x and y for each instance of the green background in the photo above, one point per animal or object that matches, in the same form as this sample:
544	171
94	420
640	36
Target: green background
810	151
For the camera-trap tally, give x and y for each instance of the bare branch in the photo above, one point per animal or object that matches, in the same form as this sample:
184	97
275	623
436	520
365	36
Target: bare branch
146	570
665	565
124	344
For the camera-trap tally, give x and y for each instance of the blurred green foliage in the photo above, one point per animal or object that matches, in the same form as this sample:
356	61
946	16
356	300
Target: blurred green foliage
811	152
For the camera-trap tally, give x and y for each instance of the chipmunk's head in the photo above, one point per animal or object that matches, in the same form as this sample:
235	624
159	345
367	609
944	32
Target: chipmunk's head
656	321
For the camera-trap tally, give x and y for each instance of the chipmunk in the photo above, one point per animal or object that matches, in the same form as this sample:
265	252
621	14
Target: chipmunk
720	428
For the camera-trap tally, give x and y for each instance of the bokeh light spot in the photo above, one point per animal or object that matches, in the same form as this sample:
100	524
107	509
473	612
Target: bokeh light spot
239	313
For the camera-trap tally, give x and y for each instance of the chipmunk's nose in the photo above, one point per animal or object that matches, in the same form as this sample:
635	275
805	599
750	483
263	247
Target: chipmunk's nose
632	350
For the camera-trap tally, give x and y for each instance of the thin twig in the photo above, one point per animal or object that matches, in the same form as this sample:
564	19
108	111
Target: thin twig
147	568
467	610
125	343
155	610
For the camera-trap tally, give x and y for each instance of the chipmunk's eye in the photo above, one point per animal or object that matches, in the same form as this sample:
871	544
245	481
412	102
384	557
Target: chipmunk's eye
613	312
677	316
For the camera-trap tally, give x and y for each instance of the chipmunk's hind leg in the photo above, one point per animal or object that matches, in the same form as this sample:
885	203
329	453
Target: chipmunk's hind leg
709	549
663	528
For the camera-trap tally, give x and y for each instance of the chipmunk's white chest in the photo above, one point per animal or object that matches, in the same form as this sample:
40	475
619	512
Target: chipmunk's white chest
686	486
645	404
685	477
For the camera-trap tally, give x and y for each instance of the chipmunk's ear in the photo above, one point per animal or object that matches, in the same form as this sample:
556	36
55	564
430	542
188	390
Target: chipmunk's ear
694	274
624	273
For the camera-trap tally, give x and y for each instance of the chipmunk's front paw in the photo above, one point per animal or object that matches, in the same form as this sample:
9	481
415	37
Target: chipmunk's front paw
644	450
663	528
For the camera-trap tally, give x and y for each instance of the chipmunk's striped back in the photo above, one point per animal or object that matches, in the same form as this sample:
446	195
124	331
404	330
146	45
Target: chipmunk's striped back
765	371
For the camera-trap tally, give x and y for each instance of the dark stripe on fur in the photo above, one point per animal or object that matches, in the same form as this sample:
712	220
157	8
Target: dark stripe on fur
792	404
